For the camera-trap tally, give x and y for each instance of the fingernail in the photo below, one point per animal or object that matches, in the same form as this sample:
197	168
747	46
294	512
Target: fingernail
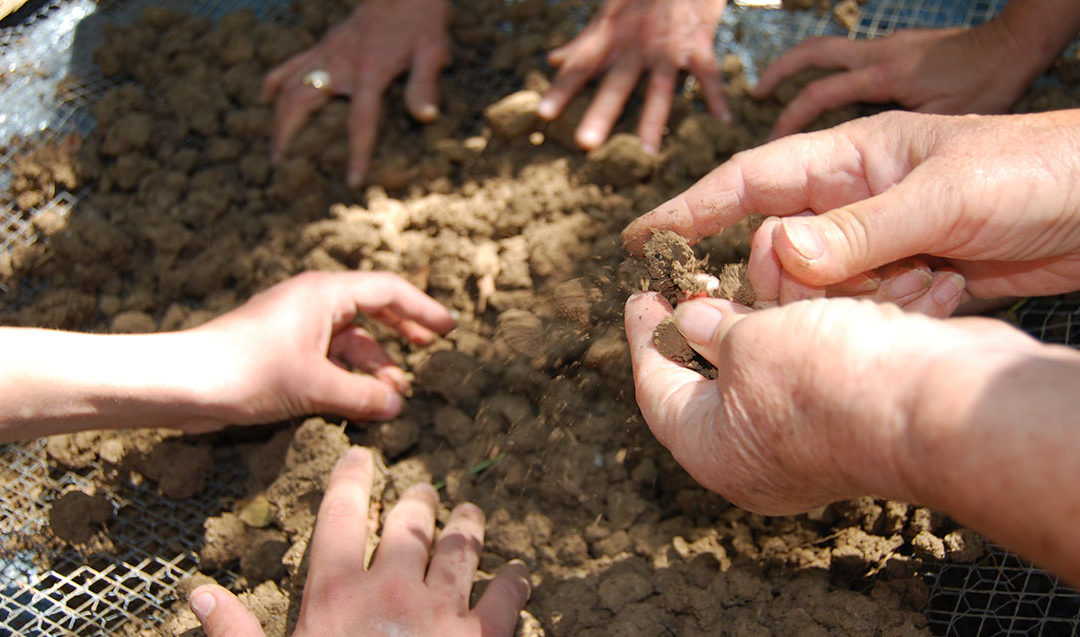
202	604
651	149
804	238
697	322
910	283
354	179
726	117
946	291
546	108
394	404
428	112
589	138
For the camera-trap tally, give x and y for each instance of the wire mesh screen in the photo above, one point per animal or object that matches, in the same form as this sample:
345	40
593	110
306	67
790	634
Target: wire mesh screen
154	541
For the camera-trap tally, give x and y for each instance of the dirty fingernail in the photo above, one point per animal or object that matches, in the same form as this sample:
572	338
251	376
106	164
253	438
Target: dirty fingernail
202	604
804	238
697	322
909	283
948	289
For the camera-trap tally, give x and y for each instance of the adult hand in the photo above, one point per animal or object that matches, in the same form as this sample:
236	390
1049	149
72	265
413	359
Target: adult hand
949	71
406	591
899	185
359	58
283	353
627	38
813	402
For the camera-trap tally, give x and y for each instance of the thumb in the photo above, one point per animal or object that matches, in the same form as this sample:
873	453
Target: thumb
704	323
221	613
846	241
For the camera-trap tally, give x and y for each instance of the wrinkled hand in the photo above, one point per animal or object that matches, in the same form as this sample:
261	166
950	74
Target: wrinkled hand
813	402
380	40
405	591
283	353
627	38
948	71
900	185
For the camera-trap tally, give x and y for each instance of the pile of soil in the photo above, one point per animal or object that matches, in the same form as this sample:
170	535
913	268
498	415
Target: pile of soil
526	409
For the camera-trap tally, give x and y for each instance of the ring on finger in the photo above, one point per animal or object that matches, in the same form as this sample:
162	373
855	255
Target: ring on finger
318	79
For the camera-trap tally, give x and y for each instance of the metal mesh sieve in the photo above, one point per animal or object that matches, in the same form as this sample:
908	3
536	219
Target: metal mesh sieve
155	540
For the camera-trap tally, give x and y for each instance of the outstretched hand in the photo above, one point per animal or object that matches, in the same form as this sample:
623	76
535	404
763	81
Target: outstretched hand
285	352
947	71
627	38
358	58
409	588
899	185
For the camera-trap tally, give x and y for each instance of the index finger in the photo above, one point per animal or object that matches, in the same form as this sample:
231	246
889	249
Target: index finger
816	172
339	541
825	53
377	293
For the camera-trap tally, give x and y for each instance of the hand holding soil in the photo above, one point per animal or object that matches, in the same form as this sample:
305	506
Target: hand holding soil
950	71
405	591
833	398
898	185
627	38
359	58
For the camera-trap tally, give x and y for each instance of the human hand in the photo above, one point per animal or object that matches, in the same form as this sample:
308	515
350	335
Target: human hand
626	38
900	185
406	591
813	402
379	41
948	71
283	352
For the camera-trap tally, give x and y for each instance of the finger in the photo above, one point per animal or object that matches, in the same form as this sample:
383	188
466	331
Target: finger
587	61
332	389
779	179
841	89
608	103
705	322
338	543
294	106
793	290
422	89
411	330
942	298
364	110
289	69
407	533
654	114
859	285
456	555
356	346
498	608
711	79
376	293
864	235
656	378
903	282
832	53
763	267
221	613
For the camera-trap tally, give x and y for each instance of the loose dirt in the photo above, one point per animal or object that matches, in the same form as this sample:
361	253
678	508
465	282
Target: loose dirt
526	409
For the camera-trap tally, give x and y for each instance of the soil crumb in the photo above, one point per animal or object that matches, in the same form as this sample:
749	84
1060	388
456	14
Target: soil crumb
76	516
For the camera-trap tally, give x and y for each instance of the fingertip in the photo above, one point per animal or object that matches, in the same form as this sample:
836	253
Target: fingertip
589	138
800	237
547	108
393	405
203	602
699	321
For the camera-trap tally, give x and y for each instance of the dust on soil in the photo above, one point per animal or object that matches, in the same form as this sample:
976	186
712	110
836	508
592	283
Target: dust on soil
526	409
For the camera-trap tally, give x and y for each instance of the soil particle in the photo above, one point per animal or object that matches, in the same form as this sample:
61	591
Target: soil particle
622	160
514	115
76	516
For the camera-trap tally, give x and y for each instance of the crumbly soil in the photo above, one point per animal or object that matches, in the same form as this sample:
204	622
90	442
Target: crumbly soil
526	409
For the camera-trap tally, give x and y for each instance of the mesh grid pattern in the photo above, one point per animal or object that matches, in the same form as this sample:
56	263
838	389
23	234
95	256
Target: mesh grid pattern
156	540
156	544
